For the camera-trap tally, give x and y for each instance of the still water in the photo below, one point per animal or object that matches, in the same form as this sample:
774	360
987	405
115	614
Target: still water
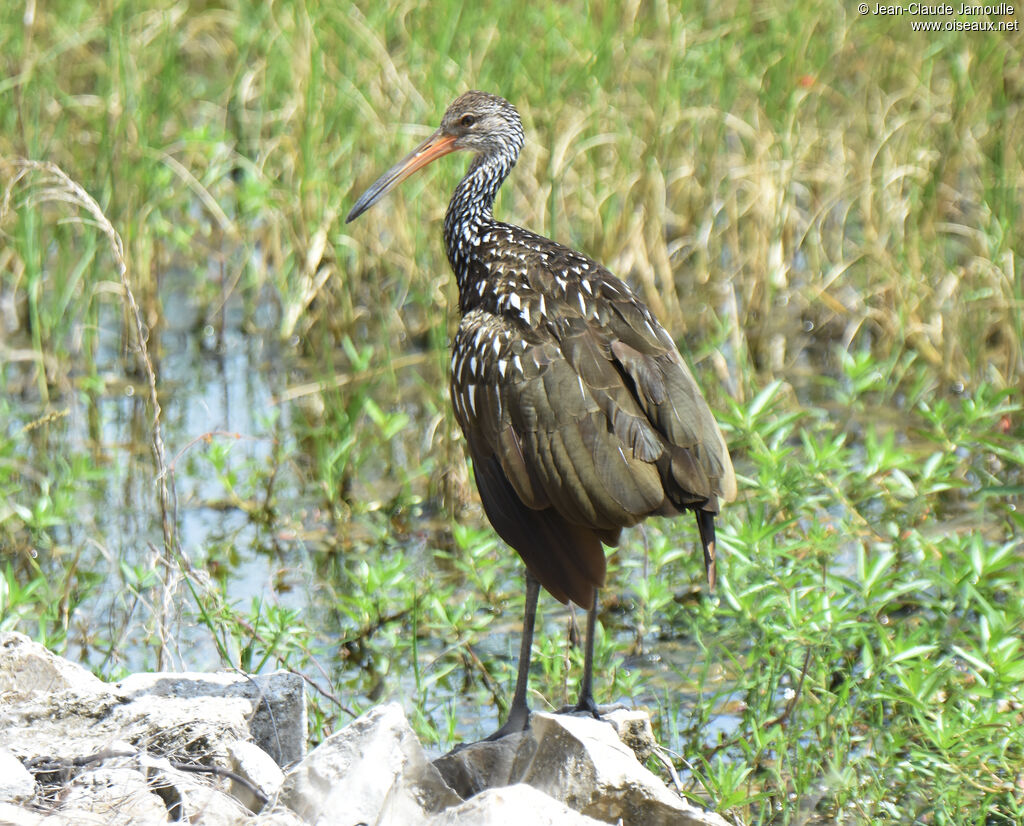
236	402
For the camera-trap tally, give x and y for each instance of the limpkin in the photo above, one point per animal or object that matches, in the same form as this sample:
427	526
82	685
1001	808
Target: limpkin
580	415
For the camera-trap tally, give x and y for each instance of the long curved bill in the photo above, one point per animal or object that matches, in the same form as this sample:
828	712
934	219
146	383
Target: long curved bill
434	147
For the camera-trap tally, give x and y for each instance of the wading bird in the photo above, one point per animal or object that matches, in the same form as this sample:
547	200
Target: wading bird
580	414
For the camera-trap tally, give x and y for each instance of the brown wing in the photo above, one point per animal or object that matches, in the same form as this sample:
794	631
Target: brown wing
540	469
599	321
581	427
634	374
695	467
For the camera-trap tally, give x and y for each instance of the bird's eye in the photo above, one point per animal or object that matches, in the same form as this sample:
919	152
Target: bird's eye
467	120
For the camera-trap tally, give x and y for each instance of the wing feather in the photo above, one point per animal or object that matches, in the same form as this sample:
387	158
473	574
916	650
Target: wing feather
582	423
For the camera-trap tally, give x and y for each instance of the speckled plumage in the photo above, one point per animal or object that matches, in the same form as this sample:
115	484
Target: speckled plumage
567	388
580	415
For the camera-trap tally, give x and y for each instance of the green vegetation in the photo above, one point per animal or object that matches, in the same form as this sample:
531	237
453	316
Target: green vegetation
826	208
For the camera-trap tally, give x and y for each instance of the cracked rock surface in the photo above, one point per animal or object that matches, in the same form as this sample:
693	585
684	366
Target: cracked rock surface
231	749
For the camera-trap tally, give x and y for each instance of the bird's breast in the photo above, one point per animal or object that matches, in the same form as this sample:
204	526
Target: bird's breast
487	349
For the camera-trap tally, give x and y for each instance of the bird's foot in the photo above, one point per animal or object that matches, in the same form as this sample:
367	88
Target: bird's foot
586	705
518	720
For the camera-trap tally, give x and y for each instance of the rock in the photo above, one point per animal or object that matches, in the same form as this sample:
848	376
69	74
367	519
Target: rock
27	668
11	815
157	747
633	728
374	770
517	804
52	708
259	768
58	712
277	816
118	796
277	701
582	762
194	797
66	723
17	785
475	767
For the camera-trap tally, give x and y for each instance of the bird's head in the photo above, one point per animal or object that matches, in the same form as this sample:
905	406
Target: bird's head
477	122
482	123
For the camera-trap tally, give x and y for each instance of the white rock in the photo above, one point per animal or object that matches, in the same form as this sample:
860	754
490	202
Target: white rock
472	768
196	798
633	728
70	724
11	815
582	762
17	784
116	796
518	804
259	768
278	816
27	668
277	719
374	770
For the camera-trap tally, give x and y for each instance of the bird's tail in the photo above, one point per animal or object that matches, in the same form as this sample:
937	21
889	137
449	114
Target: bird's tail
706	526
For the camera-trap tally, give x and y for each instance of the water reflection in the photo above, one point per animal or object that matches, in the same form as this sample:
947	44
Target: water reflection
250	517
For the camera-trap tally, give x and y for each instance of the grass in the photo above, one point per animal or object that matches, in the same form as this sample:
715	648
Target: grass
824	207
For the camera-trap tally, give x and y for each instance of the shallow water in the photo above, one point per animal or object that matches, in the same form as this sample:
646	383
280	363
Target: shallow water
222	379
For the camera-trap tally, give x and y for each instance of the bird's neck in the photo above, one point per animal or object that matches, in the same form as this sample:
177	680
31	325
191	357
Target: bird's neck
469	215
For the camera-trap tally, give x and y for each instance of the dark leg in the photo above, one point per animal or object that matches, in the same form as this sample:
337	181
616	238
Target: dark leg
586	701
519	713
